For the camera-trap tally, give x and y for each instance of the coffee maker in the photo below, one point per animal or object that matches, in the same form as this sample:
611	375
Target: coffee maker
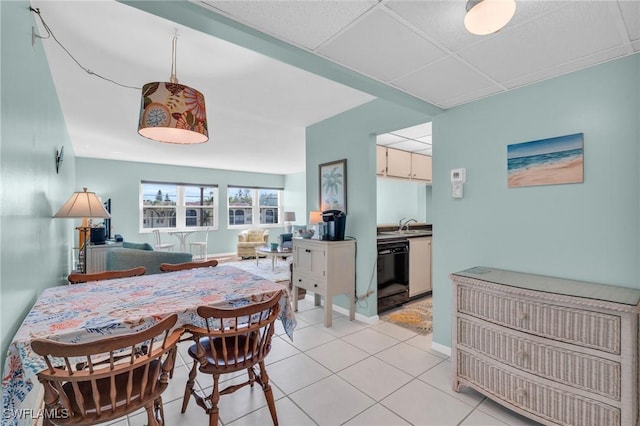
334	222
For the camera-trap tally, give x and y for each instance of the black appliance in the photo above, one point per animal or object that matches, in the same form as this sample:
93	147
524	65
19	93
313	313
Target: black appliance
335	221
98	235
393	274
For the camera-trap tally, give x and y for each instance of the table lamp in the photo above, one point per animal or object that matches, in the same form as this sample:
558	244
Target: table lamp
83	205
315	220
289	218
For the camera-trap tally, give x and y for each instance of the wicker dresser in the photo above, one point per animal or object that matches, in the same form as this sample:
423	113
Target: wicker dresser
555	350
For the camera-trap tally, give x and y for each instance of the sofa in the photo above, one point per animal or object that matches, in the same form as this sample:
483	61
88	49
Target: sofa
132	255
249	239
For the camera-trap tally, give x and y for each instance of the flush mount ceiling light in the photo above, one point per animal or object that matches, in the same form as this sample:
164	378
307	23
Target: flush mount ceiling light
488	16
172	112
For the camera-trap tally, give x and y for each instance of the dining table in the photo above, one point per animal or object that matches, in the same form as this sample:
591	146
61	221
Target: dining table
85	312
182	238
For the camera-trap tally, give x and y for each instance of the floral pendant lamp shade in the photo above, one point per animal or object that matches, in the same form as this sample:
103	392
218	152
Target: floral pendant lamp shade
172	112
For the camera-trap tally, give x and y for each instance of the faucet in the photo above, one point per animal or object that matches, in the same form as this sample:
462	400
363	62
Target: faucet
400	224
406	224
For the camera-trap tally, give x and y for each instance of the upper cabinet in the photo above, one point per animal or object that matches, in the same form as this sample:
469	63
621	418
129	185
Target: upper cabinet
381	160
403	164
420	167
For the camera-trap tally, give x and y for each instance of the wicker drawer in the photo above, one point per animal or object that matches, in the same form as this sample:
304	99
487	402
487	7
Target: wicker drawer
539	399
590	373
581	327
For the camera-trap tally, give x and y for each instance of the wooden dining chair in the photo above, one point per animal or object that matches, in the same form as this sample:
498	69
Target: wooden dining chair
99	381
172	267
76	278
242	342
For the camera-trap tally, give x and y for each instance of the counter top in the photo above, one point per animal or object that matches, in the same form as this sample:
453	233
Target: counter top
397	235
391	232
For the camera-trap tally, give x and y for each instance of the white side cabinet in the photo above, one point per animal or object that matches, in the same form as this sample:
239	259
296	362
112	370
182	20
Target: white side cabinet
326	268
97	256
419	265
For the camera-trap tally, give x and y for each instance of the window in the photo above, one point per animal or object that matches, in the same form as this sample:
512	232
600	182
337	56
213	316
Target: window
179	206
254	206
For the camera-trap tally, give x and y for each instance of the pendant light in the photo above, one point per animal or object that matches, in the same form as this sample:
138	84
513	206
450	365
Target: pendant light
488	16
172	112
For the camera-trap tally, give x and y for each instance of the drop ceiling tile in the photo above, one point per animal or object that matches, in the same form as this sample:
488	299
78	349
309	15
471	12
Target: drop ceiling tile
306	23
631	16
445	79
414	132
424	151
444	20
636	46
411	145
567	68
569	33
387	138
426	139
381	47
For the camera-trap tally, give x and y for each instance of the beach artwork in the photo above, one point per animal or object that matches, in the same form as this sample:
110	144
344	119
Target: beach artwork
546	162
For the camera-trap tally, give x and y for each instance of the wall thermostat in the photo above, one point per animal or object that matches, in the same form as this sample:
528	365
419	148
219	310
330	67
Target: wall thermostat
458	178
458	175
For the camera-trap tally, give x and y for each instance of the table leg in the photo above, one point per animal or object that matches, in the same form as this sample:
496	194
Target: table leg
295	297
273	263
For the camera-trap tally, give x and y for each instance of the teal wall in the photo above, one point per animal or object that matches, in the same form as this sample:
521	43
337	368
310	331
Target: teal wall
120	181
35	249
587	231
352	135
397	199
295	196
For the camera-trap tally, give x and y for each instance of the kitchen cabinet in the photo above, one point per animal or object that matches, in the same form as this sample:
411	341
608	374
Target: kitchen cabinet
326	268
398	163
404	164
381	160
419	265
555	350
421	167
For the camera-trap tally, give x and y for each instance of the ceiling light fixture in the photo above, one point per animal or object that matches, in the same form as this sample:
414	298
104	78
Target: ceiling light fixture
488	16
172	112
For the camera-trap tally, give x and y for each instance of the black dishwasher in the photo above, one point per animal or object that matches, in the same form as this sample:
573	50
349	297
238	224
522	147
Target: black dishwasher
393	274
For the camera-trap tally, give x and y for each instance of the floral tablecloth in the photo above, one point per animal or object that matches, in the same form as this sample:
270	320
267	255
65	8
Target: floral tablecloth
85	312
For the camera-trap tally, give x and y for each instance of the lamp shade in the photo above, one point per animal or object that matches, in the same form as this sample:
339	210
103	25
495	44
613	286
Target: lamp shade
173	113
83	205
289	216
488	16
315	218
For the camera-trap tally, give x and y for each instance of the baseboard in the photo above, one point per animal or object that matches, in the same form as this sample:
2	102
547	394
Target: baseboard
446	350
344	311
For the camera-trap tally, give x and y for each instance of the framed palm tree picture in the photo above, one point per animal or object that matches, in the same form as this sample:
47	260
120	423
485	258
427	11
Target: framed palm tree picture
333	185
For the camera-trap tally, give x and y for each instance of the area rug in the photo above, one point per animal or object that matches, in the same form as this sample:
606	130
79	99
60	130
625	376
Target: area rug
415	316
263	268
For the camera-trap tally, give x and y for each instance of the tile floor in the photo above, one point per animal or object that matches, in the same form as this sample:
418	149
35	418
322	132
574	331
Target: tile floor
350	374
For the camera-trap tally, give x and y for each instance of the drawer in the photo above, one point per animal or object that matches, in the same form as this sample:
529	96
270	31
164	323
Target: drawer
309	283
537	397
585	328
590	373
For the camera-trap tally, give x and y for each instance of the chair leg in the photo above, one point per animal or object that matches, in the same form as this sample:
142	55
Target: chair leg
152	419
214	412
188	389
263	379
